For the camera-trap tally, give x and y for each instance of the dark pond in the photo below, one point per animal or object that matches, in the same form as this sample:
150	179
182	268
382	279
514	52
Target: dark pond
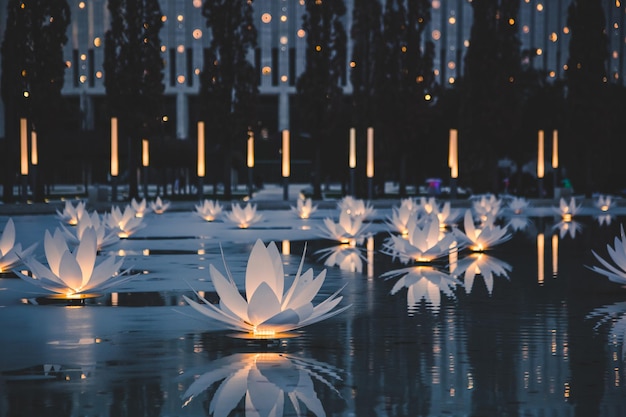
547	341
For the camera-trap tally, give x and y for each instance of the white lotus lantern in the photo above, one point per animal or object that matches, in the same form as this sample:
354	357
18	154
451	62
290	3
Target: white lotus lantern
159	206
401	216
11	252
615	272
304	208
74	274
140	207
567	210
518	205
71	214
487	207
348	229
604	203
244	217
104	235
482	238
209	210
267	310
123	223
356	207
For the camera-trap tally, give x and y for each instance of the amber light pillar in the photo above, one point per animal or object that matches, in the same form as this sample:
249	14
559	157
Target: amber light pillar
352	159
453	160
201	165
286	166
540	162
24	156
250	162
115	167
145	163
369	167
555	159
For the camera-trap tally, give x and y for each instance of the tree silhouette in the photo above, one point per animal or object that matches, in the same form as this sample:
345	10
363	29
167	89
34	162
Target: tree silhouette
319	86
586	78
490	113
228	84
133	74
407	87
32	78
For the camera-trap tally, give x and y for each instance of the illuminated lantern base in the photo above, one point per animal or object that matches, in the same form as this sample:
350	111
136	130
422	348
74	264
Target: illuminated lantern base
264	335
67	300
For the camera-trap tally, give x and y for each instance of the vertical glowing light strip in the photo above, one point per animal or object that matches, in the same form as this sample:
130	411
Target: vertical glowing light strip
352	153
555	148
115	167
540	258
34	154
555	255
369	169
370	257
540	156
145	152
286	168
23	146
453	153
250	155
201	165
286	247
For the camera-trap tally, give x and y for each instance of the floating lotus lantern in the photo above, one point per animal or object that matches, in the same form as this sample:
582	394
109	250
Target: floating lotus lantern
140	207
71	214
74	274
425	242
123	223
304	208
518	205
10	252
484	265
266	311
427	205
356	207
104	235
401	216
617	253
209	210
487	207
482	238
567	210
447	216
264	379
348	230
423	283
159	206
244	217
604	203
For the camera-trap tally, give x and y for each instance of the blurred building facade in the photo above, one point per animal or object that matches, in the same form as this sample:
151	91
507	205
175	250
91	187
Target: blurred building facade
280	55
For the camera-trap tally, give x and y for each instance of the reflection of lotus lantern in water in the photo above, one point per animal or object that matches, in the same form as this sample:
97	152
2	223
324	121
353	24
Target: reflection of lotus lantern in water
10	252
615	315
346	257
567	227
263	380
304	208
617	253
423	283
74	274
267	309
481	264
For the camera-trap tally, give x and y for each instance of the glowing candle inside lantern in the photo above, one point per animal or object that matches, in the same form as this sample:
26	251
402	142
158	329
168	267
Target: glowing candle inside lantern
201	165
115	167
352	153
540	157
369	168
286	168
23	146
453	154
250	157
34	155
145	153
540	258
555	148
555	255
